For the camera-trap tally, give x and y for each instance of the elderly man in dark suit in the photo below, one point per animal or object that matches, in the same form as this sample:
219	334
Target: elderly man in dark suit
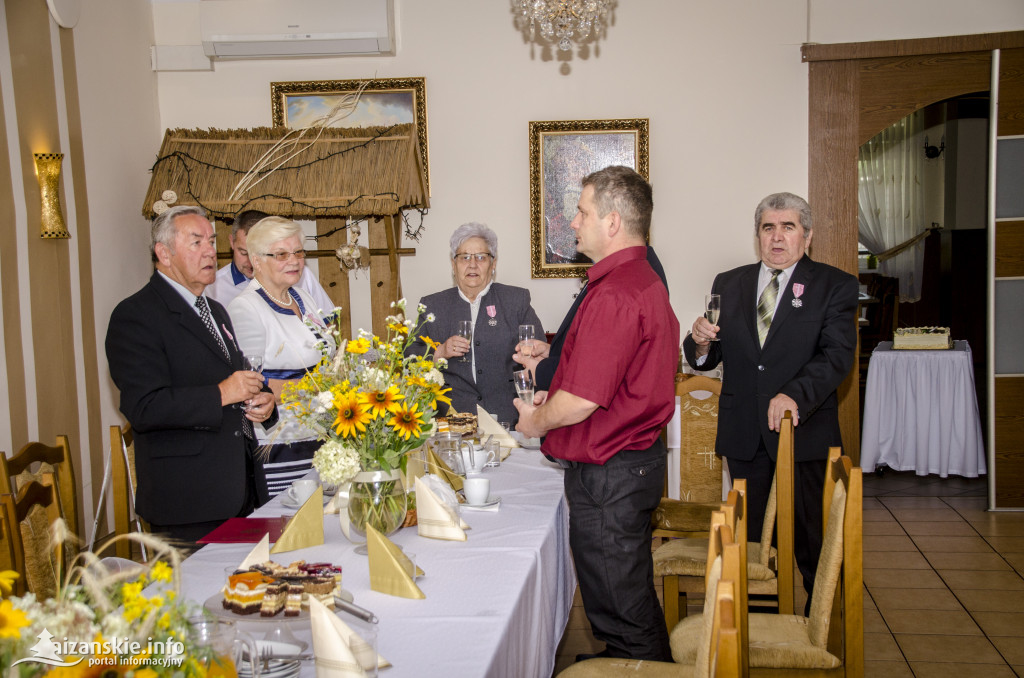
479	373
787	335
183	387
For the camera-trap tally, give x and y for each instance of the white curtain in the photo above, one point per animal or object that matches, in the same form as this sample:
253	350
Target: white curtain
890	197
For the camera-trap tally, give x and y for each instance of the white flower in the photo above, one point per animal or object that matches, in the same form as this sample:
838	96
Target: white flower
336	463
430	317
326	402
435	377
441	363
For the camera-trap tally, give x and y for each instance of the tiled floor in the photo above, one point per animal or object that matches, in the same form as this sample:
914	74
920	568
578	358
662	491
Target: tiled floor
943	578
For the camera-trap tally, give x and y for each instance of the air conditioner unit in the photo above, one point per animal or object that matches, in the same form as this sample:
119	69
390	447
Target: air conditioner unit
265	29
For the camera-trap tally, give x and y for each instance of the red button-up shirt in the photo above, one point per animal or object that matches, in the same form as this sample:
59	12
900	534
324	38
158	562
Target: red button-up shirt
620	352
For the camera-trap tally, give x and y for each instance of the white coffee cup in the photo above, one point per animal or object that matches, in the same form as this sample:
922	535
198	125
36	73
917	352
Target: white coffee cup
477	490
483	456
302	489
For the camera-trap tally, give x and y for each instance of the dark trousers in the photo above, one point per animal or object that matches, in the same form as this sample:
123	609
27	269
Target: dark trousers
610	510
808	489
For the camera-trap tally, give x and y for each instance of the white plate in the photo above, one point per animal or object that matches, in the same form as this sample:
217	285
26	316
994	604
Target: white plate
288	502
275	668
215	604
492	500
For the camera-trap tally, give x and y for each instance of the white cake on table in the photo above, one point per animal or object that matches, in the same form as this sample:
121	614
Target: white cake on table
921	338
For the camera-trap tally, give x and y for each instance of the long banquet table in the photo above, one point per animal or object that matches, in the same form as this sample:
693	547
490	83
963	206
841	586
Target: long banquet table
496	604
921	412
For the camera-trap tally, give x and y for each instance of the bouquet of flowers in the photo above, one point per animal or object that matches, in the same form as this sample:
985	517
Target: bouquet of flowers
131	623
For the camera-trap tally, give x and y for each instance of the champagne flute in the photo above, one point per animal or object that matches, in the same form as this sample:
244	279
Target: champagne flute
254	363
465	331
526	336
713	303
524	385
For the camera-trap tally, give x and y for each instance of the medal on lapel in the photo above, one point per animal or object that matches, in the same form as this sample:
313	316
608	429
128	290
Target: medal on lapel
798	289
491	312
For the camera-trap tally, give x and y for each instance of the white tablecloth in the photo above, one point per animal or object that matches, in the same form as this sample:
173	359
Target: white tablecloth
921	412
496	605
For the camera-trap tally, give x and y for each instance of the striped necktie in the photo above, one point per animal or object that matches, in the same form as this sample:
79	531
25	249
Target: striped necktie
766	306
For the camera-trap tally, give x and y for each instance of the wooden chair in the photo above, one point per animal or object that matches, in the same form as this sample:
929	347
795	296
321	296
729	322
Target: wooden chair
122	465
681	563
830	642
21	527
51	466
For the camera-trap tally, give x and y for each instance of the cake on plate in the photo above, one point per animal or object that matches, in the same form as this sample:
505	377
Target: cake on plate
270	587
921	338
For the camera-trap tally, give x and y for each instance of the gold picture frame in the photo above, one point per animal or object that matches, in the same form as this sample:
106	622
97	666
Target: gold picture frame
562	152
385	101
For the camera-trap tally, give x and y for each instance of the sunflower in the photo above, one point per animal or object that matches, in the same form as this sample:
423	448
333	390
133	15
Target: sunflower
407	421
382	402
352	415
11	620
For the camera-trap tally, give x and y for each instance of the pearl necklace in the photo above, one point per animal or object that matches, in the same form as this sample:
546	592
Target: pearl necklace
275	299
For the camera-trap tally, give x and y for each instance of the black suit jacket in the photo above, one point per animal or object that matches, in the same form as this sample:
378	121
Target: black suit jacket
808	352
190	452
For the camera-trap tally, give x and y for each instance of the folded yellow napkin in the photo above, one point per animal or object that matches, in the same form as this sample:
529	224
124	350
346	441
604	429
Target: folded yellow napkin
259	554
490	426
435	518
306	527
441	469
338	650
391	571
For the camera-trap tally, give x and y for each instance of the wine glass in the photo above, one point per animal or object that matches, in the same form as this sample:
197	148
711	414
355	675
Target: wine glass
254	363
524	385
713	303
526	336
465	331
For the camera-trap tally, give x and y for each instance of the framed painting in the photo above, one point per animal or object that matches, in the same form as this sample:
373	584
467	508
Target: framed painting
385	101
562	153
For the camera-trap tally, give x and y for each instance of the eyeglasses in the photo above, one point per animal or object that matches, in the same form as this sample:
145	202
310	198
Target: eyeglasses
480	257
285	256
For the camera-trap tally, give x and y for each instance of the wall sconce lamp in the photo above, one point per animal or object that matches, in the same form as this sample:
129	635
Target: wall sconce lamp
48	174
932	152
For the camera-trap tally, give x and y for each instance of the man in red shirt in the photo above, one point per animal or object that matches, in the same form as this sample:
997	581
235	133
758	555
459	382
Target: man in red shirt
612	394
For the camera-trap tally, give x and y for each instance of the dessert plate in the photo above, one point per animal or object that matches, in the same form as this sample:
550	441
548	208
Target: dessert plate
491	502
215	604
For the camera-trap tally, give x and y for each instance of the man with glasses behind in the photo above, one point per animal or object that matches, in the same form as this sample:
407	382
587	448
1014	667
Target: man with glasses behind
480	367
235	277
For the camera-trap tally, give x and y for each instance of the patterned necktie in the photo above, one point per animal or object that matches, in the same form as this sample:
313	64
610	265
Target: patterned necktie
204	314
766	306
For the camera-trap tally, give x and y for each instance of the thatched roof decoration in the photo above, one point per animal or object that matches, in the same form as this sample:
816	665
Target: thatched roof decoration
373	171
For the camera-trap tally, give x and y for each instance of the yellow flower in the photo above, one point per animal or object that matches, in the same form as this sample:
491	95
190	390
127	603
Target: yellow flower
407	421
382	402
352	415
7	578
161	571
437	392
430	342
359	345
131	590
398	328
11	620
145	672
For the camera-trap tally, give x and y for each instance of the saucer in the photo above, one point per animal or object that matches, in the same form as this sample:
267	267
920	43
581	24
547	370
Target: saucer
492	501
288	502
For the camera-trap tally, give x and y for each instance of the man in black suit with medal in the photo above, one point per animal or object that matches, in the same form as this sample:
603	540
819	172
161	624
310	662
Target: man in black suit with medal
184	389
787	334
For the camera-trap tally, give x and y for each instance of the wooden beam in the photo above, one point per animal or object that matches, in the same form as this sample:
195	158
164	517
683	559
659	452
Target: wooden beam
333	279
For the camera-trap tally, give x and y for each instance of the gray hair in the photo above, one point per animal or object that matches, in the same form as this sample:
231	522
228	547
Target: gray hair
474	230
621	189
268	231
163	230
784	201
246	220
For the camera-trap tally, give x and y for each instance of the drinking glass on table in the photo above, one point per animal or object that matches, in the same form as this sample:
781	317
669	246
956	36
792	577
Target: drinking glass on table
524	385
713	303
254	363
526	336
465	330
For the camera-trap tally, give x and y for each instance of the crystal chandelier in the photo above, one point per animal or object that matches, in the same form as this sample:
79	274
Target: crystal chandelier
563	19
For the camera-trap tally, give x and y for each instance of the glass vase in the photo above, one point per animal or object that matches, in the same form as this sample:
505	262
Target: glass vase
376	498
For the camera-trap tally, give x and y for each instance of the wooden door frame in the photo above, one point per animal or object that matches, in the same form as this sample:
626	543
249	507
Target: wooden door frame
855	91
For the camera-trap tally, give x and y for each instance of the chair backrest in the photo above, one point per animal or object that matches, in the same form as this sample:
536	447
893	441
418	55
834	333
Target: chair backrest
24	528
700	469
122	464
784	515
836	622
51	466
727	653
723	565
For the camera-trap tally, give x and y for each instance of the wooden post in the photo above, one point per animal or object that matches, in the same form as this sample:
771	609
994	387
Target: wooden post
385	278
333	279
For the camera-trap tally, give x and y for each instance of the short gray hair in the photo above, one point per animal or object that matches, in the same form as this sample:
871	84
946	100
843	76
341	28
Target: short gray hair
268	231
163	230
474	230
784	201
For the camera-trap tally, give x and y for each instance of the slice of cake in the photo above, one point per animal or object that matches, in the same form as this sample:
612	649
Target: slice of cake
274	599
243	594
293	600
462	422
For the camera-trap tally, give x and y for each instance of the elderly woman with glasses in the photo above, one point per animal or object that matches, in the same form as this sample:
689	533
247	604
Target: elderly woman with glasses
480	370
276	319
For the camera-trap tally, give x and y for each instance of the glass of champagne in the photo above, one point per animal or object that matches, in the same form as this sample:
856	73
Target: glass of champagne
524	385
254	363
526	336
465	330
713	303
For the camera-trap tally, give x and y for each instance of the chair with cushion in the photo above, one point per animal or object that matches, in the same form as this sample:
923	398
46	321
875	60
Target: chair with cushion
831	640
122	464
26	534
51	466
